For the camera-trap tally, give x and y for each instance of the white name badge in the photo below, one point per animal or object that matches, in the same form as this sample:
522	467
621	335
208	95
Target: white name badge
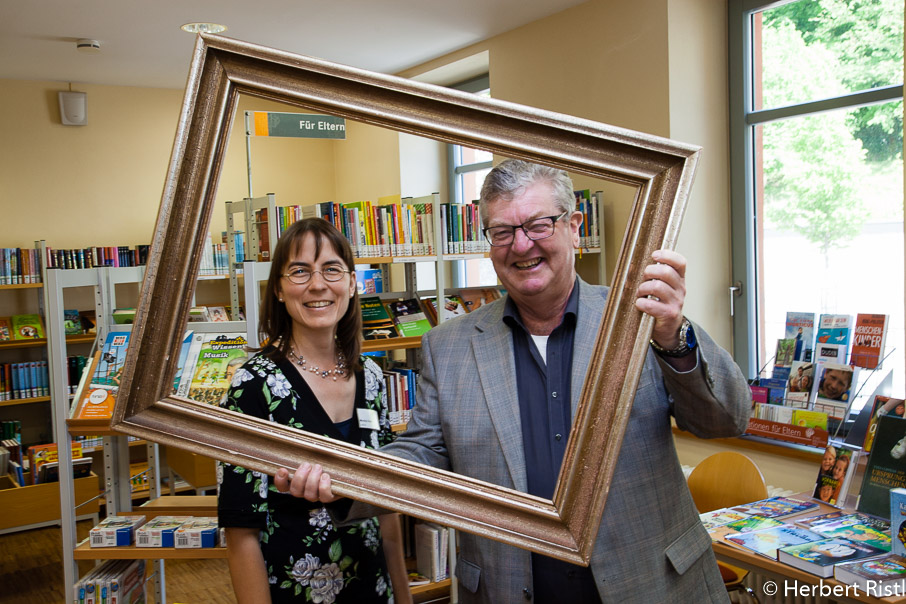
368	419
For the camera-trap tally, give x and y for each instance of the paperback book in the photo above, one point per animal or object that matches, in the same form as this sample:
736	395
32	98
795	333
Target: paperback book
376	321
834	329
835	389
800	384
869	339
859	533
409	318
898	521
882	405
800	327
745	525
720	517
838	465
219	356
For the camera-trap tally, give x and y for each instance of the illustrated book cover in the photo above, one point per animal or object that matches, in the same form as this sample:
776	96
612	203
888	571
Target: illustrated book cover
859	533
409	318
220	355
836	384
869	340
898	521
819	557
834	329
27	327
453	307
776	507
882	405
801	384
767	541
838	465
800	327
878	577
377	323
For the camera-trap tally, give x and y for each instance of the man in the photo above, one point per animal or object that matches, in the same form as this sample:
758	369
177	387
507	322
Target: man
537	342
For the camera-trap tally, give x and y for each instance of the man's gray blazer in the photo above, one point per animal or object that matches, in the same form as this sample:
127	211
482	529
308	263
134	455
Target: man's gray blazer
651	546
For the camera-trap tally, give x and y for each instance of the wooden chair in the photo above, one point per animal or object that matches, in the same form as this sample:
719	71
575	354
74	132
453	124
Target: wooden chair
723	480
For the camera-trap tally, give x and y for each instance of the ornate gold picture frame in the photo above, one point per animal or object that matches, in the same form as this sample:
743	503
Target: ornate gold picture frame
660	170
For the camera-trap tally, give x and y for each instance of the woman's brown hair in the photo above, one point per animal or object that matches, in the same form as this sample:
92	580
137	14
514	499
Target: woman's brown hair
275	325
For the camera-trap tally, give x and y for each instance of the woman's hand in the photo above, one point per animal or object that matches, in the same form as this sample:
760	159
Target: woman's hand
309	482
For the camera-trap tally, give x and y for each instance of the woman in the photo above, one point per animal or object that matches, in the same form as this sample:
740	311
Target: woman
309	374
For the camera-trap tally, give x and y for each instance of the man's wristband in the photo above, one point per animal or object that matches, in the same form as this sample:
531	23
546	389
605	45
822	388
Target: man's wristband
687	342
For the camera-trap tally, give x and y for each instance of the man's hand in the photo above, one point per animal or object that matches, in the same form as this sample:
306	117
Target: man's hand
309	482
662	294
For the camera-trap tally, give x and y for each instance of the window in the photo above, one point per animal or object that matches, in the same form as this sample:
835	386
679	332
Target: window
816	167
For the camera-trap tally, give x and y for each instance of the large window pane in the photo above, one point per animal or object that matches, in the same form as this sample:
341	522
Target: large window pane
817	49
832	216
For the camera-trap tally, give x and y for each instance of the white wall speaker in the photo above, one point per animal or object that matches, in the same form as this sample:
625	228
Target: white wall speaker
72	108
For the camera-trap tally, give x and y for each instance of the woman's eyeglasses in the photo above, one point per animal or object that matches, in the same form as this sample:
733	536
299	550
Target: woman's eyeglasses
301	276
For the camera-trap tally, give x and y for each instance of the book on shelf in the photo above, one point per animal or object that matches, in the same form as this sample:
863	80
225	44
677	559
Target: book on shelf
24	380
27	327
835	389
159	531
72	322
201	532
369	280
98	399
377	324
869	340
766	542
475	298
112	582
801	384
785	353
182	358
218	314
41	455
882	405
819	557
776	389
115	531
50	472
6	329
834	329
409	317
123	316
453	307
878	577
886	466
835	474
830	353
218	357
800	327
431	543
898	521
19	265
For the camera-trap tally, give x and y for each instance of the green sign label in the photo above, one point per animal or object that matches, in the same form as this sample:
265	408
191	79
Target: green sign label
298	125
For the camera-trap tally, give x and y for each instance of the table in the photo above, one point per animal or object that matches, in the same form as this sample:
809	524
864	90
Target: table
790	581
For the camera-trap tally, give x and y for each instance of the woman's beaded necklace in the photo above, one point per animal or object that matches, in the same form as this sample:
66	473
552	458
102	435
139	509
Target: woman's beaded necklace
339	369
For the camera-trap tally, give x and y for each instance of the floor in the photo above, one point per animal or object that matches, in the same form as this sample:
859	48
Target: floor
31	571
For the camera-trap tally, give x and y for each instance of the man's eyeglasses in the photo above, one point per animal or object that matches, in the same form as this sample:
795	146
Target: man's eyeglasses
534	229
301	276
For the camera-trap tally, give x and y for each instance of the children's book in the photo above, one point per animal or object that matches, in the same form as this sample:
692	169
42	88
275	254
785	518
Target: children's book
197	533
124	316
859	533
220	355
113	358
886	467
183	355
40	455
776	389
720	517
27	327
72	322
218	314
809	522
776	507
767	541
745	525
474	298
819	557
158	532
369	281
869	339
115	531
885	575
838	465
376	321
409	318
6	329
800	327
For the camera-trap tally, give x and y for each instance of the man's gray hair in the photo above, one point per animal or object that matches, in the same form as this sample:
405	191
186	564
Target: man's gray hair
508	178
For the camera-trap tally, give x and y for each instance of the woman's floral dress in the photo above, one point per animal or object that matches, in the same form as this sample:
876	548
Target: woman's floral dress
307	558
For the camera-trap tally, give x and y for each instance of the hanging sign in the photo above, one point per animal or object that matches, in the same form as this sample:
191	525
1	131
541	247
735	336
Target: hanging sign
297	125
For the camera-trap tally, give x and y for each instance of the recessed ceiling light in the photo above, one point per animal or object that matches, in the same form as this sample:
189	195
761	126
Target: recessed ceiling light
203	28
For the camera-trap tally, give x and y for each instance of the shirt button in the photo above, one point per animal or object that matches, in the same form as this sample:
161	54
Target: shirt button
554	394
558	436
527	593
